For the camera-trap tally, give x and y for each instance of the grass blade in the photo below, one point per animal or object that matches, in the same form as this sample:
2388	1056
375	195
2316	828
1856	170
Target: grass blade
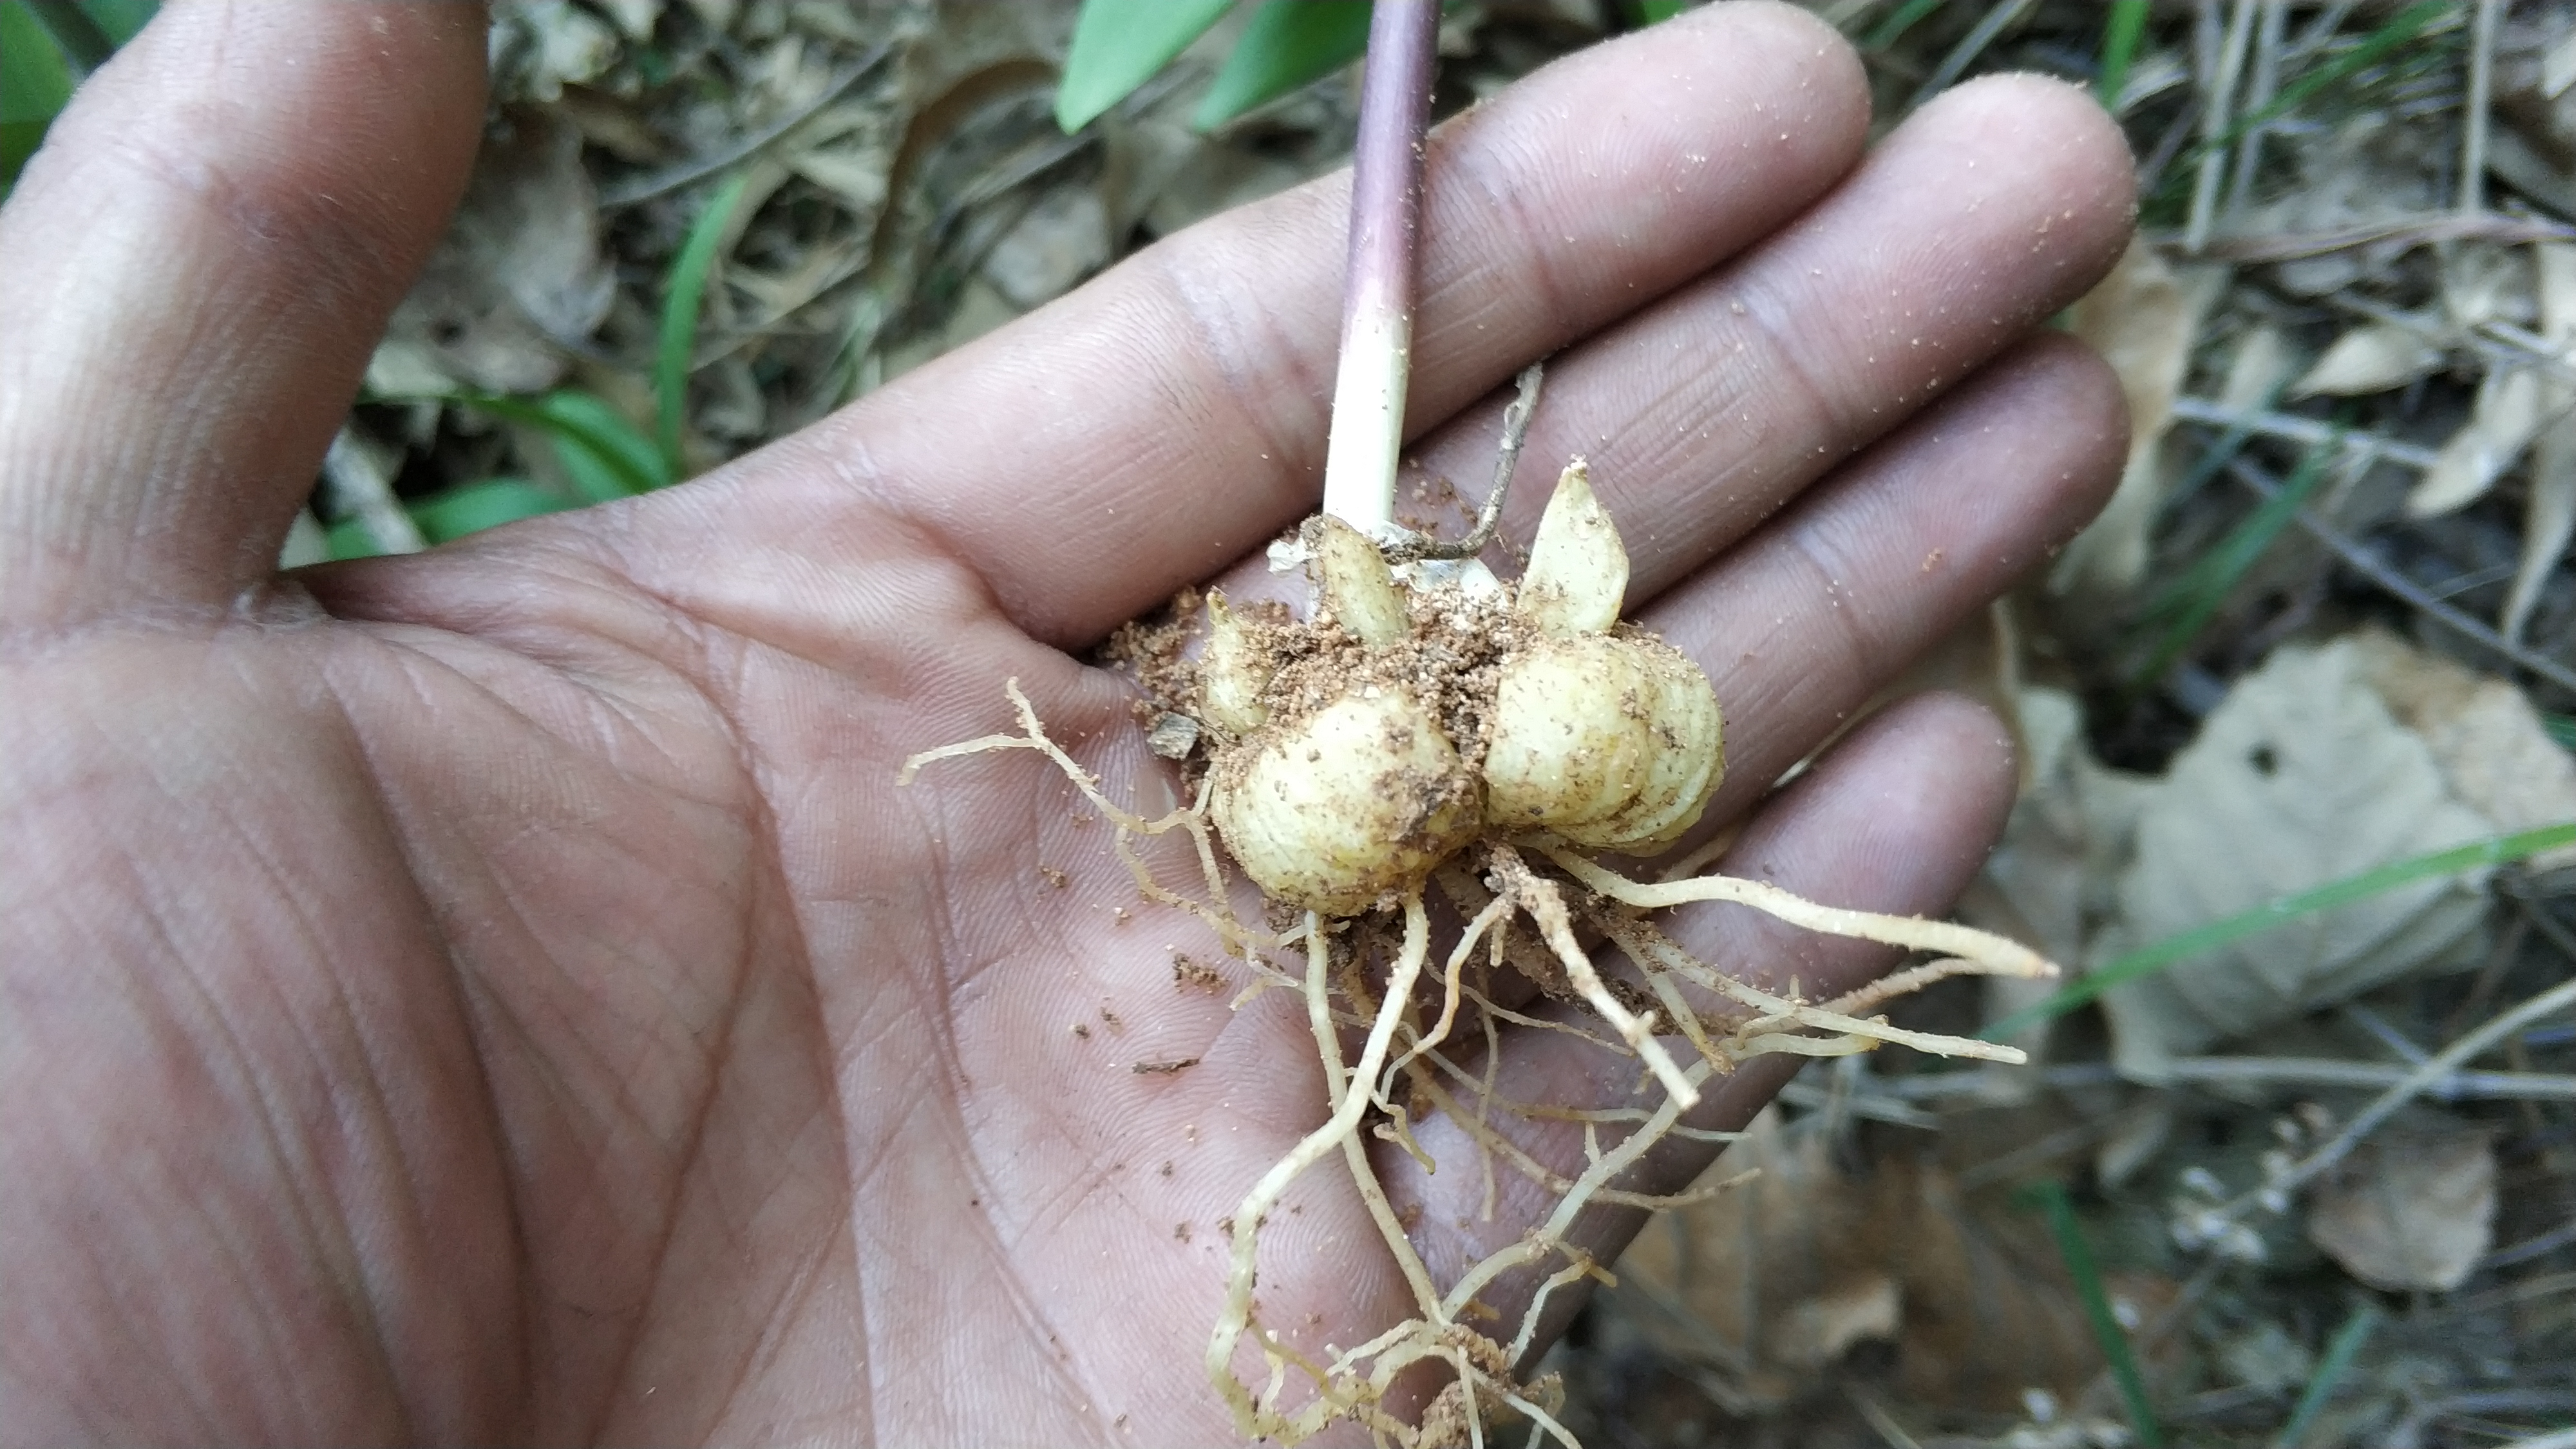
2562	728
2119	47
1118	45
605	454
1898	23
2107	1332
1656	12
680	318
83	43
2340	1353
35	82
2147	960
1287	45
2193	598
473	507
2400	28
122	20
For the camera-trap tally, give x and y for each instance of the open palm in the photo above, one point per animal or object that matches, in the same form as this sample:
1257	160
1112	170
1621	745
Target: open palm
502	995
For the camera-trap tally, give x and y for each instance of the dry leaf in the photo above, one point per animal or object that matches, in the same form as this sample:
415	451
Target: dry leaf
518	277
537	47
2301	776
2548	522
1061	239
2261	364
635	17
1764	1288
2143	319
2410	1211
2372	357
2549	516
2485	734
2053	876
2501	424
2486	282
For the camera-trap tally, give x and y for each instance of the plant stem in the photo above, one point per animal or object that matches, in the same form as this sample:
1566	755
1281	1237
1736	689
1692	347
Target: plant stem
1377	294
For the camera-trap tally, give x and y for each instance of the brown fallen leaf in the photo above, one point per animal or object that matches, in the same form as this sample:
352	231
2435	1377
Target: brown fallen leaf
2143	318
2502	422
2549	514
2302	775
1765	1288
2413	1210
2485	734
518	279
2372	357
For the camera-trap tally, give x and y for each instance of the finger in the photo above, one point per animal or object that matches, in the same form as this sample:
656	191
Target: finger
1803	623
199	261
1895	819
1154	426
1993	207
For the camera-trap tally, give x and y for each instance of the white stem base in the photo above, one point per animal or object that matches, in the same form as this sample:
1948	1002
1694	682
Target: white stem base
1368	421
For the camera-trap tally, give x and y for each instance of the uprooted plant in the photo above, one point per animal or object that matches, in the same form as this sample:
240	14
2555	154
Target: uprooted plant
1428	728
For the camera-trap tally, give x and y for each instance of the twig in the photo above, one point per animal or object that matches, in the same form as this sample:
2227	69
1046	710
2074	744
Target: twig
2326	1072
2556	999
2409	231
2274	19
2296	429
2215	122
2530	1248
2368	564
1970	46
2288	1071
2473	121
1516	420
697	169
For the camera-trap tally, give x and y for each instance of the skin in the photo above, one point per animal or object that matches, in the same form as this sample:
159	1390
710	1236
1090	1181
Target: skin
500	994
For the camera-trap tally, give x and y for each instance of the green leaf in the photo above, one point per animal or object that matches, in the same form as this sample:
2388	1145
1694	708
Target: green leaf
35	81
1118	45
2192	599
1656	12
607	456
2562	728
2406	25
83	44
680	318
1897	24
1287	45
349	539
2107	1333
2147	960
2119	47
2339	1354
473	507
122	20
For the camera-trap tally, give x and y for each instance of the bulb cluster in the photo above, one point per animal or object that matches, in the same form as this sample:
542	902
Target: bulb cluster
1604	737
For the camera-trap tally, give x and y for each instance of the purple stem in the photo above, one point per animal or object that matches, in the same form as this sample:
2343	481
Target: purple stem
1377	298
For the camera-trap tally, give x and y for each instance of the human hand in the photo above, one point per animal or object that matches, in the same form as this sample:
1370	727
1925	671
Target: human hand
500	994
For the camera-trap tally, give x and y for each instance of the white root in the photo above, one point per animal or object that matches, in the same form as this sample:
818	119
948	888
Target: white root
1257	1418
1745	1021
2000	955
1547	908
1450	991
